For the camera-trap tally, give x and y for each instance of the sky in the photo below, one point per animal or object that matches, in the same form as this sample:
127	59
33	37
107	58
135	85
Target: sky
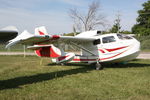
53	14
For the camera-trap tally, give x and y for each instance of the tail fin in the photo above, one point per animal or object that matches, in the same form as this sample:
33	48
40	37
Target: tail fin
41	31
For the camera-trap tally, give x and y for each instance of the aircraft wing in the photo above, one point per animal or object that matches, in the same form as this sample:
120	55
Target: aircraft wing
48	39
79	40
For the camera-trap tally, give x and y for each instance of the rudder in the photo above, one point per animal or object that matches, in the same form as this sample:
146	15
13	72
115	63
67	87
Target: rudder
40	31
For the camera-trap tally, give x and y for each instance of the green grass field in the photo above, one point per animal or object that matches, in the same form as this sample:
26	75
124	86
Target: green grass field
15	48
34	78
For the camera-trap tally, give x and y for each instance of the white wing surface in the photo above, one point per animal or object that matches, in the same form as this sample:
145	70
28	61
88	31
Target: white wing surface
41	37
28	39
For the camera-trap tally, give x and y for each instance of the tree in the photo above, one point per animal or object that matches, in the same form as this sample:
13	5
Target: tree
116	27
125	32
89	21
143	21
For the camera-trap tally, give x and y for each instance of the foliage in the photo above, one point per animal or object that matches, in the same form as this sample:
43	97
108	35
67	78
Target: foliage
71	34
116	27
126	32
145	42
143	21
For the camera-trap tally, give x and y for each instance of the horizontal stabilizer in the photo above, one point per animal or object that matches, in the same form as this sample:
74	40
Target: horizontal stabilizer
37	47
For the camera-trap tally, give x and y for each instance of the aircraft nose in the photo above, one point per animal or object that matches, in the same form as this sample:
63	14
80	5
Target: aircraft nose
137	45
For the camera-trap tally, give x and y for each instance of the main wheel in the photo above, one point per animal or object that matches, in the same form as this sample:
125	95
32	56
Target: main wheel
62	64
99	66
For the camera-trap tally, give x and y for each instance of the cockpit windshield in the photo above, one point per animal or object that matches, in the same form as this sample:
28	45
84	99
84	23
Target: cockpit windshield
109	39
124	37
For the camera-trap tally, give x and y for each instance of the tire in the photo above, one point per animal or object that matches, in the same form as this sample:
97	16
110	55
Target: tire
98	66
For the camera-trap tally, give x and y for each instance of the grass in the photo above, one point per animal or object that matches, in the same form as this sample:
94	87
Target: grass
34	78
145	50
15	48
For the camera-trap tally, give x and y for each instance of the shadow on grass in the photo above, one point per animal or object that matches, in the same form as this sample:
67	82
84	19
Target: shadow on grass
17	82
129	65
84	68
71	64
132	64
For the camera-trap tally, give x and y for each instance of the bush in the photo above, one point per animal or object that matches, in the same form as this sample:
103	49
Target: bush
145	45
145	42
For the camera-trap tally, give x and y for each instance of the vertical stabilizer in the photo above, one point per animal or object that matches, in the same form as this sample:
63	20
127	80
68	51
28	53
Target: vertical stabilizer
41	31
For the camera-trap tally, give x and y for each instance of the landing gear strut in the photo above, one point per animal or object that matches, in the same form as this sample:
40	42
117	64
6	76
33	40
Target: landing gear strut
98	66
62	64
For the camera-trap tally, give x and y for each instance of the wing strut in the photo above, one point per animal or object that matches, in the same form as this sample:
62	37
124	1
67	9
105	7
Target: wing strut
83	48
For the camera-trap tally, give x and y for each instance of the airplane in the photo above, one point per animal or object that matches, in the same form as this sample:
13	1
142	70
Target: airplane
8	33
95	48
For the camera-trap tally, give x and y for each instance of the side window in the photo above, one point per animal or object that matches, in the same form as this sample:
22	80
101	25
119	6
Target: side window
109	39
120	36
98	41
123	37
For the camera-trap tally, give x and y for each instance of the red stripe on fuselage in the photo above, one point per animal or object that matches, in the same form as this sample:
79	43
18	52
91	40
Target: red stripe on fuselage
102	50
84	59
112	56
114	49
100	58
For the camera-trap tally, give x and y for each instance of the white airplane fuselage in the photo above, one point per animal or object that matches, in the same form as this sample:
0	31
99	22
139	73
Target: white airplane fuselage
95	48
111	48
